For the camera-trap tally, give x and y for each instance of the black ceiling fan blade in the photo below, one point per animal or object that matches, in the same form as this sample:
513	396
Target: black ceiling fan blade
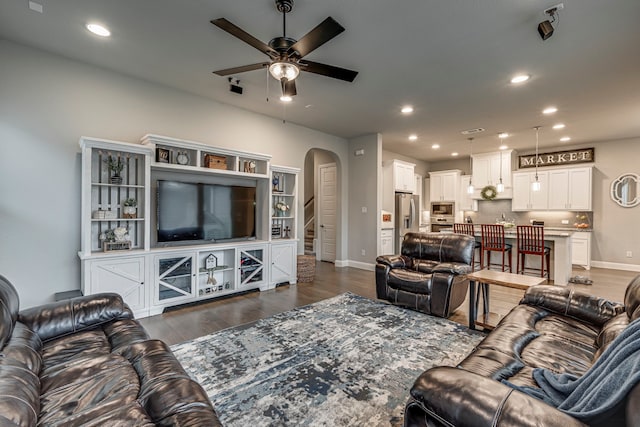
242	69
315	38
328	70
288	87
238	32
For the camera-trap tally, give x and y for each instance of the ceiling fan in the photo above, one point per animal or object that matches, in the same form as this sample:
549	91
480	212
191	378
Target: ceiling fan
286	54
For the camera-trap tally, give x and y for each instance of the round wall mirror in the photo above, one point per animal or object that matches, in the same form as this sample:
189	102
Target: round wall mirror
624	190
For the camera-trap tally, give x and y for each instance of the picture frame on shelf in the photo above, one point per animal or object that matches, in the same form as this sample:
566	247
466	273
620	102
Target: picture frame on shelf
249	166
163	155
276	231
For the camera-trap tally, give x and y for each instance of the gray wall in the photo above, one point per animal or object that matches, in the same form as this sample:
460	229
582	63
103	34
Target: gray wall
47	102
462	164
615	229
365	184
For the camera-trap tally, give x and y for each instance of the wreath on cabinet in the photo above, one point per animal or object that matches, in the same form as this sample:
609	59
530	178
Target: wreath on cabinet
489	192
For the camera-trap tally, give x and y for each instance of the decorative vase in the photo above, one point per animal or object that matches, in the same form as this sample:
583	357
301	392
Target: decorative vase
129	212
116	179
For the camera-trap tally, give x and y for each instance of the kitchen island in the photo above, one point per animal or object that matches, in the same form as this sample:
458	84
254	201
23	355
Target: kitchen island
560	243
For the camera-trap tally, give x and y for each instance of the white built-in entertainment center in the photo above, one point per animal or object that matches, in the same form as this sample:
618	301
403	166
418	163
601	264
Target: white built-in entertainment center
168	222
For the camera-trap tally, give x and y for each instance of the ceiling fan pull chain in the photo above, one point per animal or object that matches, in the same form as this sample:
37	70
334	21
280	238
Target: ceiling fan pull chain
267	69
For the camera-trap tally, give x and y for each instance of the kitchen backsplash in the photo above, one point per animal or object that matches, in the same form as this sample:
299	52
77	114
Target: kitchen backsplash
491	210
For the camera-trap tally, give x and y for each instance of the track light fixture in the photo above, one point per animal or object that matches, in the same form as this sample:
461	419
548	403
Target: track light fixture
545	28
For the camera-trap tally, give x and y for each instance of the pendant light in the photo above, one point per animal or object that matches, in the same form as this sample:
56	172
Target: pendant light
535	185
500	186
470	188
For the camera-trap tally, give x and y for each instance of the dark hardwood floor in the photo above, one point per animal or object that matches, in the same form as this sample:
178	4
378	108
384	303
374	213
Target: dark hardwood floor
190	322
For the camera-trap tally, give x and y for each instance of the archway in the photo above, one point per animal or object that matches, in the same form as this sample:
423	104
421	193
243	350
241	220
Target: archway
321	217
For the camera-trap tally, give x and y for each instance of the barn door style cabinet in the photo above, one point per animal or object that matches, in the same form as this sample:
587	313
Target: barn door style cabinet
119	251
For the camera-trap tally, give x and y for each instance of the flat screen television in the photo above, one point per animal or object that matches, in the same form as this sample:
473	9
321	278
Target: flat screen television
204	212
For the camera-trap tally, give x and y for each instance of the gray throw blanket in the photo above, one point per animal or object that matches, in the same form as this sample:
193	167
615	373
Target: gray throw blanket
601	388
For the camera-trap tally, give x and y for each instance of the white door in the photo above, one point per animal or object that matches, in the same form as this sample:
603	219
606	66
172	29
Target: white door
327	211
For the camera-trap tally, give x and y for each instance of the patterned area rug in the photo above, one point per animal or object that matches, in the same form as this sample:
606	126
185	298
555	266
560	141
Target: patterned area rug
345	361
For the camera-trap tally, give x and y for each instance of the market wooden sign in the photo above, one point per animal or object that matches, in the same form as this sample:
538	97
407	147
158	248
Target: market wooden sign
557	158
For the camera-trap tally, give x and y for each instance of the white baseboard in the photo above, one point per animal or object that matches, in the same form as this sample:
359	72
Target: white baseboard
615	265
356	264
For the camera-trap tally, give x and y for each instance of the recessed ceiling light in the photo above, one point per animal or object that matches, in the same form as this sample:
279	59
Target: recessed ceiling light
285	98
549	110
565	139
520	78
503	147
435	146
407	109
503	135
558	126
454	154
98	30
413	137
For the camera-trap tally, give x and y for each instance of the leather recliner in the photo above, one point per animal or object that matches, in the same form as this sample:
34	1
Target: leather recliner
87	362
429	275
553	327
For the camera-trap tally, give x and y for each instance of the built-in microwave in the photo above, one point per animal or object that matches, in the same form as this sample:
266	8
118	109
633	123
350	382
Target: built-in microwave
440	209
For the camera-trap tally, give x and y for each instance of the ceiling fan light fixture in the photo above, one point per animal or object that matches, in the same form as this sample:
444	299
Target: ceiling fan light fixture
284	70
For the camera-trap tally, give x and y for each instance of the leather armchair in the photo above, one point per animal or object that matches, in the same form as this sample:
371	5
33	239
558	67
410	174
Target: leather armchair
553	327
429	275
86	361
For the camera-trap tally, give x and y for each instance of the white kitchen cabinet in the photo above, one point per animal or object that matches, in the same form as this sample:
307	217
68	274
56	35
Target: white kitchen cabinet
524	198
488	167
401	175
444	185
467	202
386	242
562	189
124	276
581	249
571	189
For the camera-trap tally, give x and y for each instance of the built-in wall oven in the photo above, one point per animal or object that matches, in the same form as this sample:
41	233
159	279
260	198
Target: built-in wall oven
442	216
441	224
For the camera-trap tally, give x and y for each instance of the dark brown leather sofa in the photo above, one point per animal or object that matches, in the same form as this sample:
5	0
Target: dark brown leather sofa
429	275
554	327
86	362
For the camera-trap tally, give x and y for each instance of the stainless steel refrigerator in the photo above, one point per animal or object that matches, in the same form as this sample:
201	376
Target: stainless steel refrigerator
407	217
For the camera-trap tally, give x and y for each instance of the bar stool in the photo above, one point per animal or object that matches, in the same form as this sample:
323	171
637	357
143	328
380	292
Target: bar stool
530	241
464	228
493	241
